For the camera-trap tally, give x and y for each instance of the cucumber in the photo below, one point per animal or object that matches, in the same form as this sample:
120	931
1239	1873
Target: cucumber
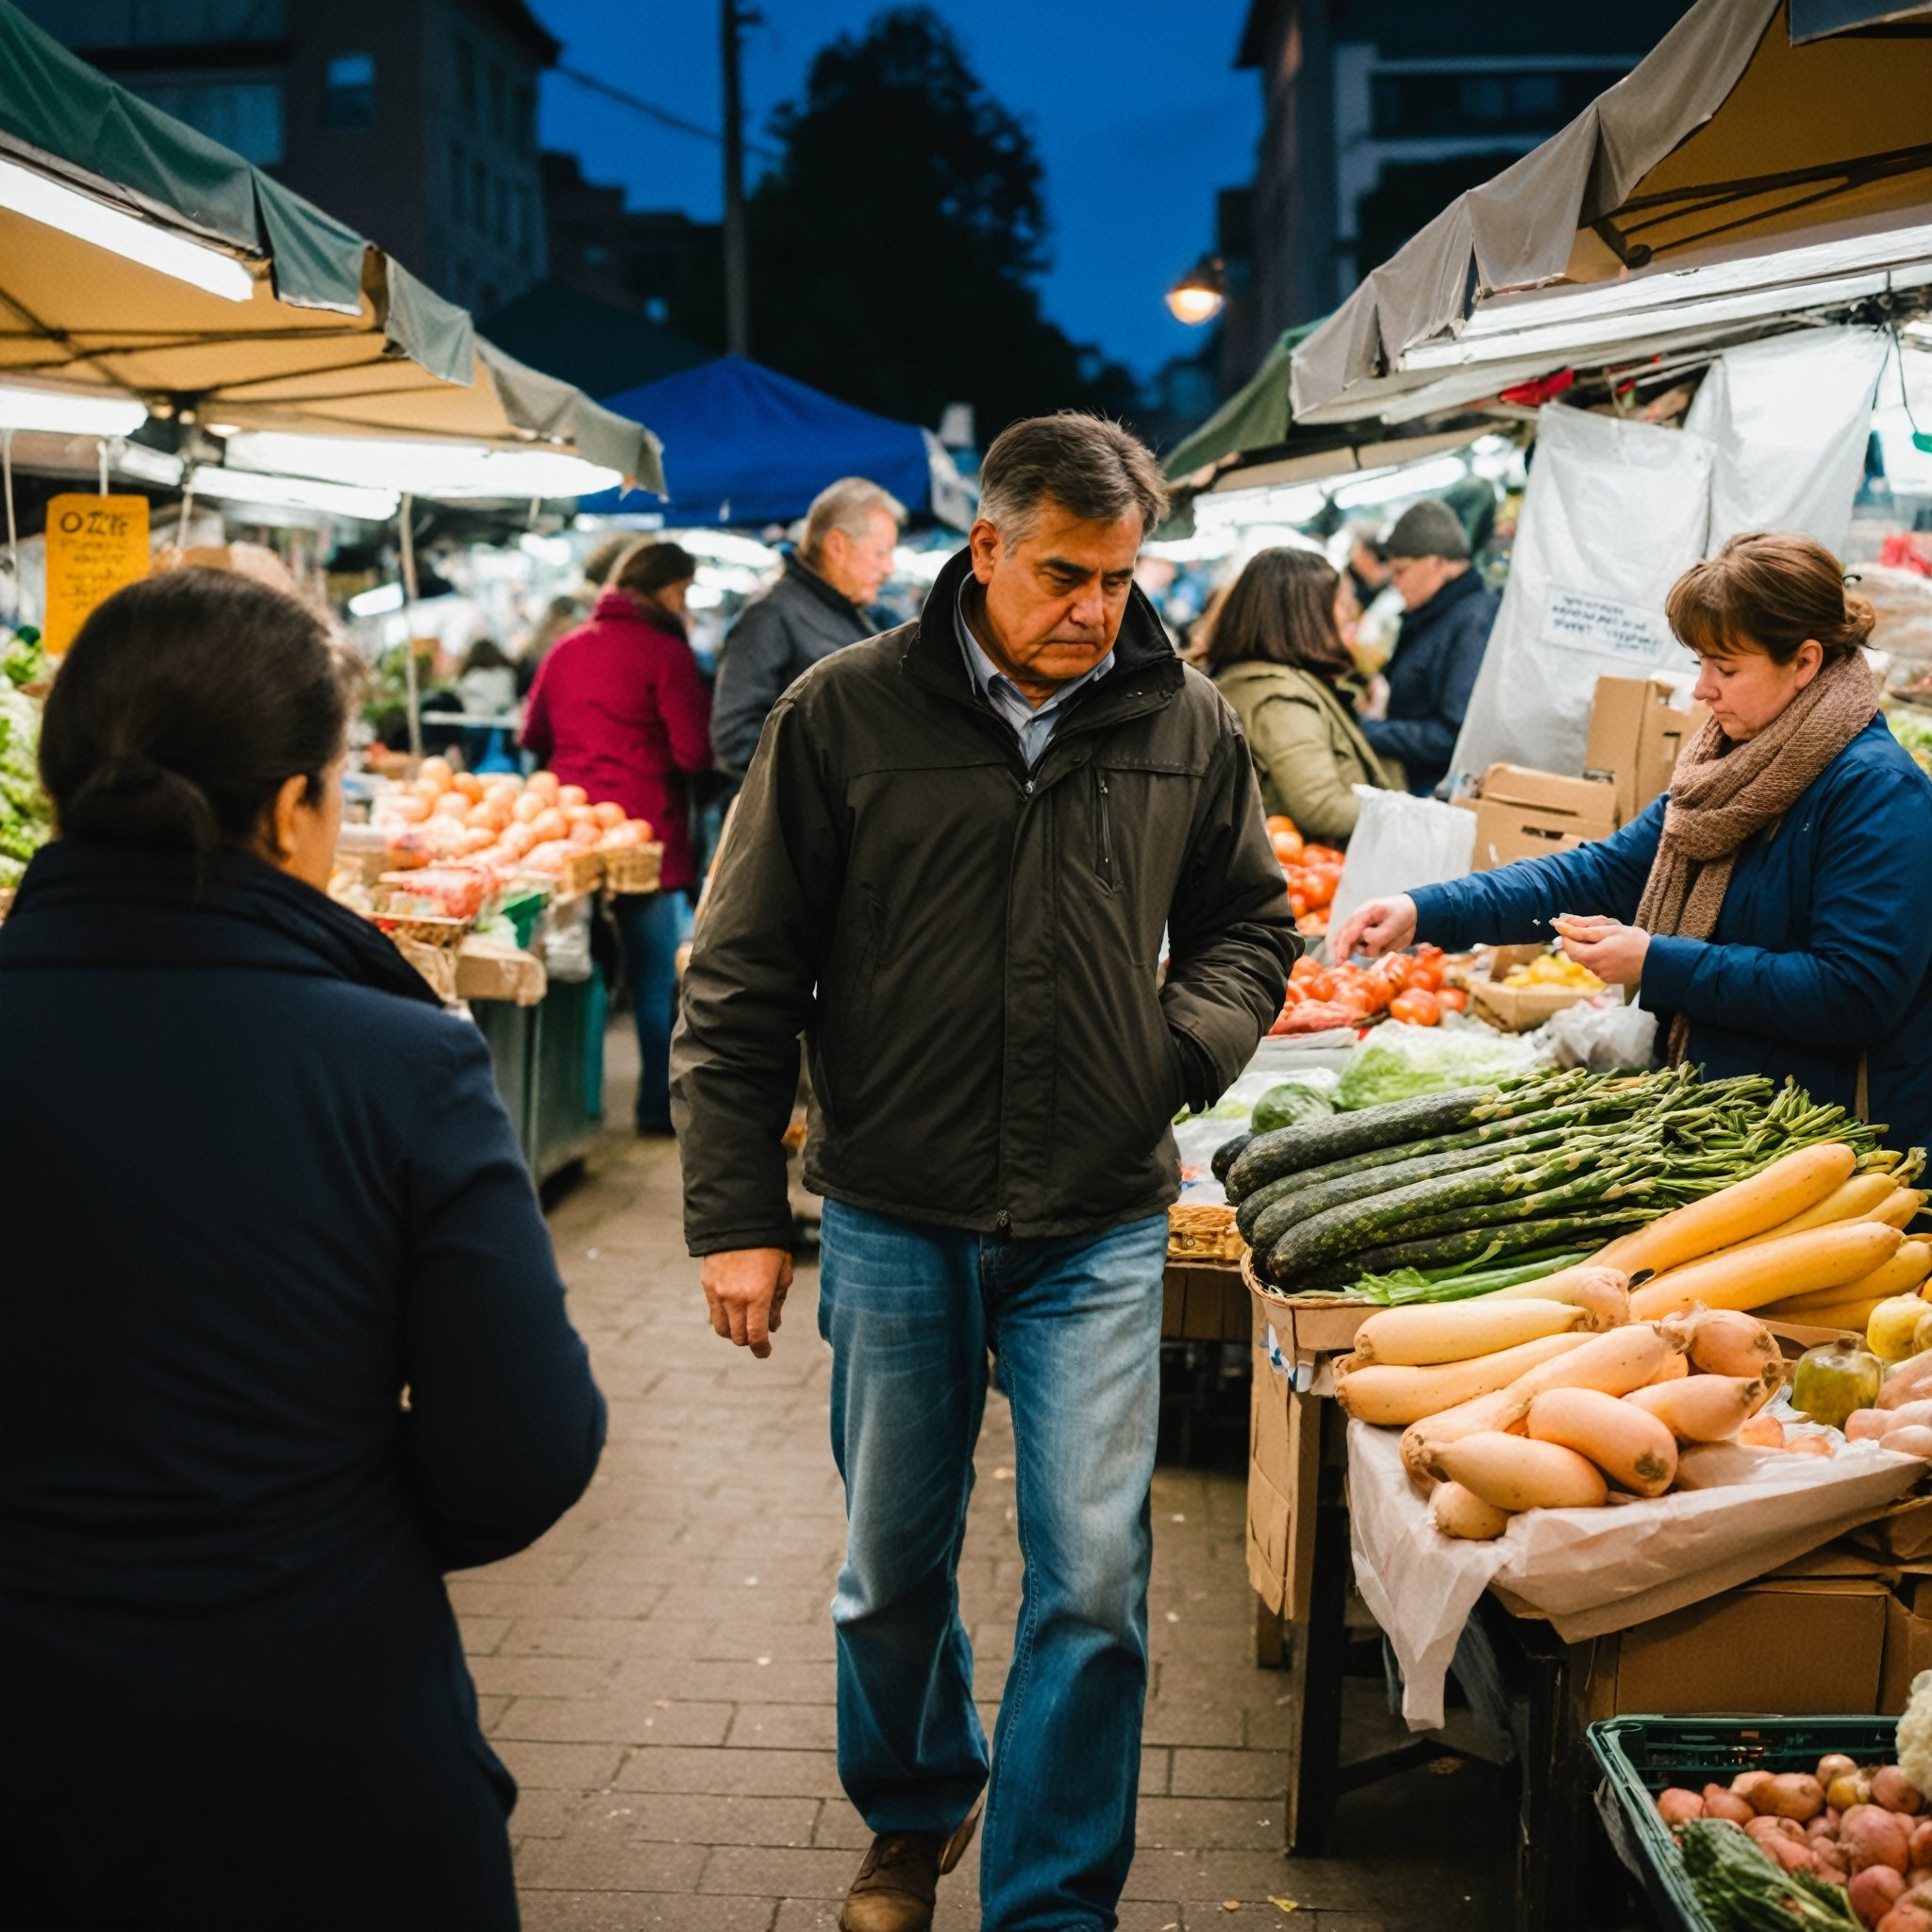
1228	1154
1433	1206
1250	1208
1467	1248
1356	1181
1314	1143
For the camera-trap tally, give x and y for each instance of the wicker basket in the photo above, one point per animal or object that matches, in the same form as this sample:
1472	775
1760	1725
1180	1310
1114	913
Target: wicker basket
633	869
425	928
582	873
1204	1233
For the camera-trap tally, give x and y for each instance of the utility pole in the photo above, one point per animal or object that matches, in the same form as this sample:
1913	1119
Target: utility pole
735	18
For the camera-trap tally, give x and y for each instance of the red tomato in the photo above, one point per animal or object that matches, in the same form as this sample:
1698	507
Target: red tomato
1297	902
1305	968
1321	855
1291	996
1286	840
1398	968
1426	973
1452	999
1418	1007
1320	984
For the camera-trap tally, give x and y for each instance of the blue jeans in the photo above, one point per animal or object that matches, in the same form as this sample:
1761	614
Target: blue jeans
911	1311
650	923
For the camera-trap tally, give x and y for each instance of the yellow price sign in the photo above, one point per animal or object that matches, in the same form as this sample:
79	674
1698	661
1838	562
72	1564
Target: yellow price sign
95	545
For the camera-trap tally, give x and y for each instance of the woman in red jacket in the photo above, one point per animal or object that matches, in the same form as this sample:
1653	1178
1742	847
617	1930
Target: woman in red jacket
620	707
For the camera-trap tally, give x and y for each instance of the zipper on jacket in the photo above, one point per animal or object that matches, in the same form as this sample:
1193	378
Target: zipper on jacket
1103	804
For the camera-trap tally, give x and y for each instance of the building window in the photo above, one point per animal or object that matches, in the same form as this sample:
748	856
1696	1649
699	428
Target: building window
349	93
1409	107
245	115
466	83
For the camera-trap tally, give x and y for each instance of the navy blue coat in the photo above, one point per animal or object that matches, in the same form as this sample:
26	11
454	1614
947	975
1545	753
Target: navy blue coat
258	1183
1438	654
1822	952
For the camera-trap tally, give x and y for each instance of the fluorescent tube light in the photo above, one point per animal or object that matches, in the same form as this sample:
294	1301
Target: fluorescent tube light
376	602
296	492
1415	479
41	199
61	413
440	470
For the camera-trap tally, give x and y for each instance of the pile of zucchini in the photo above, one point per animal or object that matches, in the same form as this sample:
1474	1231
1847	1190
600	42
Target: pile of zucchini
1448	1187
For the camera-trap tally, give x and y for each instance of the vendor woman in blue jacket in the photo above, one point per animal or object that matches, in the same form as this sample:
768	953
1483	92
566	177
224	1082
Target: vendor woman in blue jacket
1775	908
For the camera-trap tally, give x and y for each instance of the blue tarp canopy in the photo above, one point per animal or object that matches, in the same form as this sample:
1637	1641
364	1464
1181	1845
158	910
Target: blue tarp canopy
743	444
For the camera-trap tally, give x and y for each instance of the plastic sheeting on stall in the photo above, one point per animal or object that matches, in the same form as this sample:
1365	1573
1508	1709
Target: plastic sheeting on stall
1616	510
1790	418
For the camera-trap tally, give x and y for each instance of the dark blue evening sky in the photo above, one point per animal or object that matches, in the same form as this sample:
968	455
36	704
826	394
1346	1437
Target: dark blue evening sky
1135	105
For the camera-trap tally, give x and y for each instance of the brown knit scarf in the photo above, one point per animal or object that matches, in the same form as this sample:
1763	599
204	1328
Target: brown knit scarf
1723	792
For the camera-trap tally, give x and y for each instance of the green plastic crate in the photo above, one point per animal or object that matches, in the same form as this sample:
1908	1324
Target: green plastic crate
1642	1755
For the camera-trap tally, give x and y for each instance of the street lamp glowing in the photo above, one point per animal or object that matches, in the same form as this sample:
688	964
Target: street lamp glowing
1201	293
46	201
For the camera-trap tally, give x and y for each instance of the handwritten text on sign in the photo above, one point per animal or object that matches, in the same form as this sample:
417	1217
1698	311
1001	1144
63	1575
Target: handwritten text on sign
1580	621
95	545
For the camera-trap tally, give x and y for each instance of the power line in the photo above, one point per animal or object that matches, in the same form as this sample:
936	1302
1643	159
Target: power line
664	116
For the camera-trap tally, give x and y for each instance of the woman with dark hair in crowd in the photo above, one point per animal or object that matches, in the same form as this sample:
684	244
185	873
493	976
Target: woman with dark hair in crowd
282	1337
1277	655
1771	907
621	709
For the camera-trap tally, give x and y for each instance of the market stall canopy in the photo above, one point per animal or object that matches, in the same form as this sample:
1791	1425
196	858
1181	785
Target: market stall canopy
140	258
747	446
1759	160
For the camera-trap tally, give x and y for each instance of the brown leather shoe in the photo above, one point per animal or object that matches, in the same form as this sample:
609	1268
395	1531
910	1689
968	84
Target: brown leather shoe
899	1878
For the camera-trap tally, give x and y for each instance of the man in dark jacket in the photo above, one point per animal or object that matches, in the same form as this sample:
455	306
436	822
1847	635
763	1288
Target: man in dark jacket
1440	648
816	605
950	869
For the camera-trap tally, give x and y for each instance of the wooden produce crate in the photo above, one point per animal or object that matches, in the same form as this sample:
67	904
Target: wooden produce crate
633	869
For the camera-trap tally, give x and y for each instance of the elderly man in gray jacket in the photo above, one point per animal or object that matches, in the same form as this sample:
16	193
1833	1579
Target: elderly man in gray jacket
959	856
816	605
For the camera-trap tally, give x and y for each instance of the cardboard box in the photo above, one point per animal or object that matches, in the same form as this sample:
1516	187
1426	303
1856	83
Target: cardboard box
1519	1008
1522	813
489	971
1907	1651
1636	735
1284	1471
1790	1645
1204	1302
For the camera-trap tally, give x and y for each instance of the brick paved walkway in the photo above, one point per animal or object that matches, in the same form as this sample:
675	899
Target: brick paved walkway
658	1672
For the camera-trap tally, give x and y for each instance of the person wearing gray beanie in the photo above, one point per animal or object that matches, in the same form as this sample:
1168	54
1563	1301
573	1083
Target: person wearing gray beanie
1450	612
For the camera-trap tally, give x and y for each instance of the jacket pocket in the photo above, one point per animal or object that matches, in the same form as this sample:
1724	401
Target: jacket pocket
1105	862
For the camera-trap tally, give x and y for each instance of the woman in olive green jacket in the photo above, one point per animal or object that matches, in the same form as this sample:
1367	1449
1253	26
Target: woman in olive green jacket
1278	657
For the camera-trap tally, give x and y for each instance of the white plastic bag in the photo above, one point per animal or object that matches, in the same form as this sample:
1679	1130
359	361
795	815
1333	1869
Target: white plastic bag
1400	843
1607	1039
1614	514
1790	417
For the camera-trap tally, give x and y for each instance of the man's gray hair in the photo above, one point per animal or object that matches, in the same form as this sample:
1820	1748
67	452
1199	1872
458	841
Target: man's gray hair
1089	466
847	505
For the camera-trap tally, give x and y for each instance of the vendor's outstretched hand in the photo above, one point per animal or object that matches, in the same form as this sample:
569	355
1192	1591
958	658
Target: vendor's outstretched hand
745	1291
1382	926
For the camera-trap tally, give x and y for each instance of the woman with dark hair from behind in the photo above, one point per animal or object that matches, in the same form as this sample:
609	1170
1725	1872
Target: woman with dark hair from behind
282	1337
1277	655
621	709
